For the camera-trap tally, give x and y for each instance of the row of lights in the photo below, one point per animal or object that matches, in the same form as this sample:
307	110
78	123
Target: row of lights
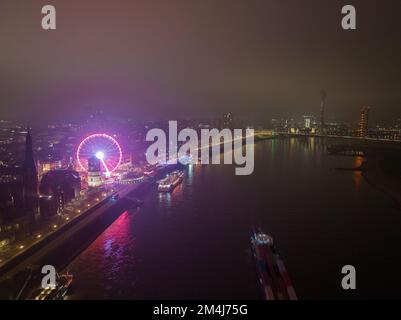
55	225
38	236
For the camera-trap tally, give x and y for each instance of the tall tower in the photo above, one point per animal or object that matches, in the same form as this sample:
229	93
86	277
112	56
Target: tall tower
94	172
30	179
323	96
363	122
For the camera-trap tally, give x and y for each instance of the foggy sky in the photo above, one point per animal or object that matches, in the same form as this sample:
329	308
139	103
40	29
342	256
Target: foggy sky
195	58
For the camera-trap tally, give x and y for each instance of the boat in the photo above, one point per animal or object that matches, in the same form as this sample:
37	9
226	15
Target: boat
150	170
115	197
171	181
58	292
274	281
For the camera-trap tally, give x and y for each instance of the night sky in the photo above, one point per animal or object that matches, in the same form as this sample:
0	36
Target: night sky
197	58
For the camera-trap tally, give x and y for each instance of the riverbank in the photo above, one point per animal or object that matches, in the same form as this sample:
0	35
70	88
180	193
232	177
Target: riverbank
380	166
378	171
63	246
200	233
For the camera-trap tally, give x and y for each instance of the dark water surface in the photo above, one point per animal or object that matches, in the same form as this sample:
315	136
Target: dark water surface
194	243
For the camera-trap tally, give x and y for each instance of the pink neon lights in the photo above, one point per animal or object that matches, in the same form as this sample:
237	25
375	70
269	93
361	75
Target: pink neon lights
96	144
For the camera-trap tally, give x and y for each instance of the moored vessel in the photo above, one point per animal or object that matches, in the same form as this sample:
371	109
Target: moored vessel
58	292
171	181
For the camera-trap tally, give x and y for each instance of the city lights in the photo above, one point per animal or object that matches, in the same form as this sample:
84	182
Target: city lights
199	150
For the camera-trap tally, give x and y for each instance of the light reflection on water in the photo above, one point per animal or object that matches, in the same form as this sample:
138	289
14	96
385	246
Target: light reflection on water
194	242
357	175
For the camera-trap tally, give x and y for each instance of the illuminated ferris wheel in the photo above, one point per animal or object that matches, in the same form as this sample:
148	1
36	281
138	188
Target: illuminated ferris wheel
103	147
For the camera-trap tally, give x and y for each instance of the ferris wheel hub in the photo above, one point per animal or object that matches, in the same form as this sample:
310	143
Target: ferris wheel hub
102	146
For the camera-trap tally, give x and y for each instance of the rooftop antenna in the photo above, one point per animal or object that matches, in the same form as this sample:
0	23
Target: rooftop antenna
323	96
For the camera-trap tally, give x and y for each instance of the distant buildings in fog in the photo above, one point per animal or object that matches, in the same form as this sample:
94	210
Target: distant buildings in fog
308	125
362	127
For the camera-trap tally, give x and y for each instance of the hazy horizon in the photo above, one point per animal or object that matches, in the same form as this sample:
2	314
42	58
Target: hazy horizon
177	59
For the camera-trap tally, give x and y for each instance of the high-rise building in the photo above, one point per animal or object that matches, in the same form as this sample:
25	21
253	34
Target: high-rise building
94	172
308	122
363	122
323	96
30	179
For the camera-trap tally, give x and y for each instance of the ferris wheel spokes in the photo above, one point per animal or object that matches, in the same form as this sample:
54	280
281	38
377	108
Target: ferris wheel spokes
105	148
100	155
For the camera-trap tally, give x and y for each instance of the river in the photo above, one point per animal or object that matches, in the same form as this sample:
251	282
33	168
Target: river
194	243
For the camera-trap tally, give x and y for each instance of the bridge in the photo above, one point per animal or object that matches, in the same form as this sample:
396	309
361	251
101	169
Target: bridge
346	150
286	134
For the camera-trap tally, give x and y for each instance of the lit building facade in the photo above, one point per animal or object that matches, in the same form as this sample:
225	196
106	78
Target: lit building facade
94	172
364	122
